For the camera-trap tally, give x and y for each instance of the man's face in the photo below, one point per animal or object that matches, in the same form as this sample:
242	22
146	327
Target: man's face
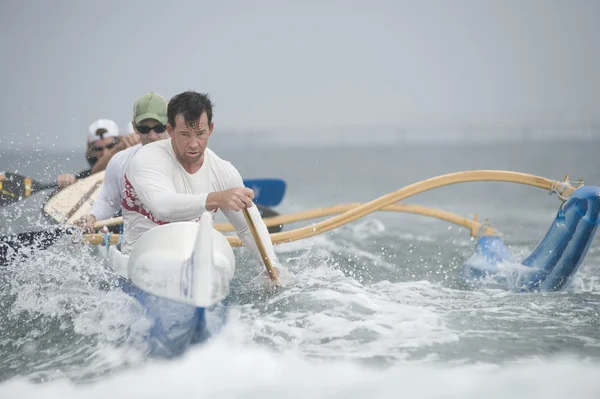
189	143
98	148
150	130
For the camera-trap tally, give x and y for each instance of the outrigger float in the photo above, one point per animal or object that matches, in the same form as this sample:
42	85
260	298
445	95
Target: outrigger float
180	272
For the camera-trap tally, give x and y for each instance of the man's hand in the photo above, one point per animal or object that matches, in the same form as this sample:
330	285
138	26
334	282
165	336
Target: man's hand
235	199
86	223
65	179
126	141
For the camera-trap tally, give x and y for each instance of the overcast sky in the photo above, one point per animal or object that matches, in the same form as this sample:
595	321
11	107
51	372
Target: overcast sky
298	64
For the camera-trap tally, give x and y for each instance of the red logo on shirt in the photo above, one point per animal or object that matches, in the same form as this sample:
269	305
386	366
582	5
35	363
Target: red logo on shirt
132	203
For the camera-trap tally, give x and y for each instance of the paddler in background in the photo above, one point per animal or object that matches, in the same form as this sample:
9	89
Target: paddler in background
178	179
149	125
103	142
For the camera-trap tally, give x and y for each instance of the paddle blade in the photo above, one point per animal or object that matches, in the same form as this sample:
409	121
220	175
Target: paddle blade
267	192
26	243
15	187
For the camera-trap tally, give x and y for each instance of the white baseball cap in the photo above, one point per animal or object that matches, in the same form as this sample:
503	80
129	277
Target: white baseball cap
110	128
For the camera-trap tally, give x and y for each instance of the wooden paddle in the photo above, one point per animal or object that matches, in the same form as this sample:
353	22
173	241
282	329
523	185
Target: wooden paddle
261	247
15	187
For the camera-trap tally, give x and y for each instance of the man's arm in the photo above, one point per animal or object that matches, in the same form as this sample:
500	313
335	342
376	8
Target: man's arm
237	219
153	184
101	163
125	142
108	200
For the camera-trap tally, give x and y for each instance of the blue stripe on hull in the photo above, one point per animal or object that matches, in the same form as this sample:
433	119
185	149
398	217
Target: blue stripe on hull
176	326
552	264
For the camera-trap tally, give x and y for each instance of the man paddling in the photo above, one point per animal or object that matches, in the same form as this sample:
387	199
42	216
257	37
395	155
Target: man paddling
103	142
179	178
149	124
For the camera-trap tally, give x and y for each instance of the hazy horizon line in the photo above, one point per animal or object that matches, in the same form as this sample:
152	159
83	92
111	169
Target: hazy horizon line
266	141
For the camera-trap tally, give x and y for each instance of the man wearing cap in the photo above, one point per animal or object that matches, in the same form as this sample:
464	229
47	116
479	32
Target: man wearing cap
149	123
103	142
120	143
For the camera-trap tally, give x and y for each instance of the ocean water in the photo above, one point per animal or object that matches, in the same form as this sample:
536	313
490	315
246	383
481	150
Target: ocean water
371	309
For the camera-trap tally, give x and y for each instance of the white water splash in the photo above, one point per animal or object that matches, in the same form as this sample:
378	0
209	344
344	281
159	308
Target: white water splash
226	370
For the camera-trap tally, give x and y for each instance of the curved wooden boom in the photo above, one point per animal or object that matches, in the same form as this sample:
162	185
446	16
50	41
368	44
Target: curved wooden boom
473	225
564	189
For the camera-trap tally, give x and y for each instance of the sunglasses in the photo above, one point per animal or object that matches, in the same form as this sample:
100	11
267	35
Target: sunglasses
146	129
108	146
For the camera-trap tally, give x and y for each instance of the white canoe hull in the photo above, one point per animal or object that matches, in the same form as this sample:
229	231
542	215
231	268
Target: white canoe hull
178	272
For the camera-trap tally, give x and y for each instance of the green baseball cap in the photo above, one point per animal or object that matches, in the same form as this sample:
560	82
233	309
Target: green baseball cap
150	106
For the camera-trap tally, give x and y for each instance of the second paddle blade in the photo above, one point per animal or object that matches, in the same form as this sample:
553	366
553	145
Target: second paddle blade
25	244
267	192
15	187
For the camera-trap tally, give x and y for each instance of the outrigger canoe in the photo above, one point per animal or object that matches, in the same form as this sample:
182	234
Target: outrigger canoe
181	272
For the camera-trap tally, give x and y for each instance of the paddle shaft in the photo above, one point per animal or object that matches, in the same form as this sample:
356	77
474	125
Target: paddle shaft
46	186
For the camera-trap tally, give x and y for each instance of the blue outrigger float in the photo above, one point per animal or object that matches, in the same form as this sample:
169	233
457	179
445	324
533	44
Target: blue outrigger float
180	272
552	264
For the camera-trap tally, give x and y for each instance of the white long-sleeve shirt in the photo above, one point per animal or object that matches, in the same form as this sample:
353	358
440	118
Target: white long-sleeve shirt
158	190
108	200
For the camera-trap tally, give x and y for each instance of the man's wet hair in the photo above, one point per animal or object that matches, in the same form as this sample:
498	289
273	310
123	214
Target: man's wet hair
191	105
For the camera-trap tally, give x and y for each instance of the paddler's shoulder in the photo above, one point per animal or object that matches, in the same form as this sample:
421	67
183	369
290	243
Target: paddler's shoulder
221	167
151	155
158	148
124	155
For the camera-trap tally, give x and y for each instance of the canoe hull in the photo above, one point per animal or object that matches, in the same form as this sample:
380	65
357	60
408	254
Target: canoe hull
175	326
180	274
